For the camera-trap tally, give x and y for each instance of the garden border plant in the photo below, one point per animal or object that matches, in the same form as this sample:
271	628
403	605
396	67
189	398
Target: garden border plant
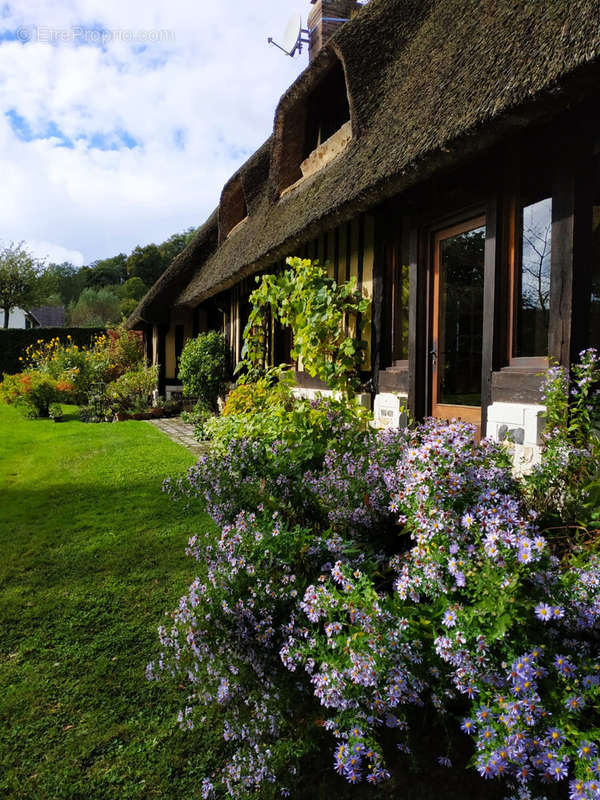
106	378
359	574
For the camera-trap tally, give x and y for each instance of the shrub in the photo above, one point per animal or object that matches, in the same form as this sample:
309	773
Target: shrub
558	488
270	390
275	415
198	417
87	414
133	390
105	359
35	391
396	575
203	368
124	351
55	411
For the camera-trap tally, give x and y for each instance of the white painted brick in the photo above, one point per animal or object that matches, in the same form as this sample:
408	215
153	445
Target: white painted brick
525	417
534	424
506	413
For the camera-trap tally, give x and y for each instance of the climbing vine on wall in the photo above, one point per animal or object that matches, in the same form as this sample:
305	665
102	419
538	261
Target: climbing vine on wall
323	315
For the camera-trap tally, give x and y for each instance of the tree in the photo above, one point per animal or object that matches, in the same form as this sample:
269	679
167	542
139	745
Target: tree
95	307
146	263
107	271
175	244
63	280
18	273
149	262
135	288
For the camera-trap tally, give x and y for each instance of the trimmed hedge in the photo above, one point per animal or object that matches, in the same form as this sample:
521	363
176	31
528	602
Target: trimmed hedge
14	341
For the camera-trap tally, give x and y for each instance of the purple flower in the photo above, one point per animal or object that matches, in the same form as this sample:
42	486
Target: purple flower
468	726
449	618
543	611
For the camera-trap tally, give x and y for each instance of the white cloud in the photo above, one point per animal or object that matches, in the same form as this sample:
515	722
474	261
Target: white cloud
191	108
52	253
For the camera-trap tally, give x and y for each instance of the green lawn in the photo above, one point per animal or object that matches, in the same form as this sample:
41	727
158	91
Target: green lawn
91	556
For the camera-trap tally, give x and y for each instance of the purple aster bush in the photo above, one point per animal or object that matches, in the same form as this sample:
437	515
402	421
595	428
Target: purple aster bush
350	487
223	643
482	618
260	459
357	579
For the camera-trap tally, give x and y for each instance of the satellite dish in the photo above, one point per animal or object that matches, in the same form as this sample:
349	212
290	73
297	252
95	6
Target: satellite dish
292	34
293	38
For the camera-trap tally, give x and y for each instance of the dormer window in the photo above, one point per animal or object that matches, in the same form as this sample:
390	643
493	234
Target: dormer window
233	209
327	109
315	128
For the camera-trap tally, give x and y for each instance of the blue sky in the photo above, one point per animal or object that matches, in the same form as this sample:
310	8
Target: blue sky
120	122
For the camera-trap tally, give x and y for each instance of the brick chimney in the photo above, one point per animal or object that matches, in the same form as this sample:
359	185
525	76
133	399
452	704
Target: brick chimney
325	18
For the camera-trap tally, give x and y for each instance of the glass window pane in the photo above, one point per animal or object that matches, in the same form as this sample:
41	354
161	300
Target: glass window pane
461	318
533	280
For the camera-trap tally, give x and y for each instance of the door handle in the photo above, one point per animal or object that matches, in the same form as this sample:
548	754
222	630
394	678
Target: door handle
433	354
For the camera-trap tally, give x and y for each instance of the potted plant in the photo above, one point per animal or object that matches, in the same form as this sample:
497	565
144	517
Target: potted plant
55	412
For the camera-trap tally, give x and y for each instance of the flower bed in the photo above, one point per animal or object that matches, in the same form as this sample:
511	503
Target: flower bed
107	377
361	580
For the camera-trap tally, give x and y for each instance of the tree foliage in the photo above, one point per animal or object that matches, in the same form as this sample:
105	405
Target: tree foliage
95	307
107	271
148	262
18	273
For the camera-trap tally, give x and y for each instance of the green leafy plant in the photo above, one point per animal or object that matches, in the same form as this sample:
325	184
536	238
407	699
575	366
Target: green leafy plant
272	388
198	417
324	317
565	487
55	412
203	368
132	391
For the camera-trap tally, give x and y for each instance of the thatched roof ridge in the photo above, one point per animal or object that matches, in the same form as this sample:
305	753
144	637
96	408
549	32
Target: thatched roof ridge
424	76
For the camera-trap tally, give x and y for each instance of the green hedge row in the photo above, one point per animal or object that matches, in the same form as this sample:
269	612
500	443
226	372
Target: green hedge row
13	342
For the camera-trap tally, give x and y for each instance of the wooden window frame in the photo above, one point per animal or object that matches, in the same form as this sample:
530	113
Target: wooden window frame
528	363
441	410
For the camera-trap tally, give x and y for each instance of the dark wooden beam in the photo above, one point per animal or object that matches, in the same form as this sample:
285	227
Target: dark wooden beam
162	331
583	248
561	278
377	311
418	336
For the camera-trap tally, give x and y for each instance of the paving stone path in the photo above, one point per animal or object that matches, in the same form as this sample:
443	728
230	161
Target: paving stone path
181	432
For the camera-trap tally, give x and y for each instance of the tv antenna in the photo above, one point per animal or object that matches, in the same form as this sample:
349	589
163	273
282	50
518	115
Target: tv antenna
293	38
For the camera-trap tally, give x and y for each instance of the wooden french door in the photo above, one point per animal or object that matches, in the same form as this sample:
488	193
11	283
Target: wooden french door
458	264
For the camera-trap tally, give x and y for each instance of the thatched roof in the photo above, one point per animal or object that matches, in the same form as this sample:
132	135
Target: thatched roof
154	305
429	82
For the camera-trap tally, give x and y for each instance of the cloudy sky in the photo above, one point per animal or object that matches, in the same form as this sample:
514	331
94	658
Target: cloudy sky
120	120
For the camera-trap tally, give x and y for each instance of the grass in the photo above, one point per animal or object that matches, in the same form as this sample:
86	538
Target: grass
92	555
